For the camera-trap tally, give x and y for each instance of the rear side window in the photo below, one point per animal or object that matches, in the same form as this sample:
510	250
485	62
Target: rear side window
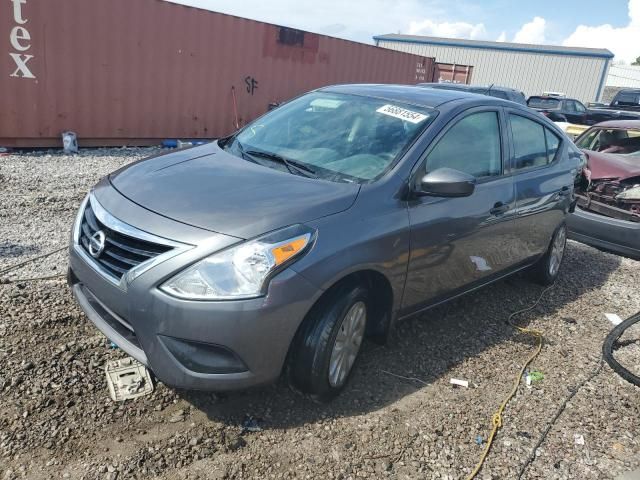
546	103
472	146
534	145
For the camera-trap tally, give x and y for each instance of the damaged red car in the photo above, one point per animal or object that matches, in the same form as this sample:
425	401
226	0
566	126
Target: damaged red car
607	214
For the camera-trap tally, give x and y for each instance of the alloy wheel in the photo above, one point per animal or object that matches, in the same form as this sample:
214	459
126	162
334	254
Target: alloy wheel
347	343
557	250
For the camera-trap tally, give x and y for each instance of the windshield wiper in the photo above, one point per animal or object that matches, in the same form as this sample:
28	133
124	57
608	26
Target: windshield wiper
290	164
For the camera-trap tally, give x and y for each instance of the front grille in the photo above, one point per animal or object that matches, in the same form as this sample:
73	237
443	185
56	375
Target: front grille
121	252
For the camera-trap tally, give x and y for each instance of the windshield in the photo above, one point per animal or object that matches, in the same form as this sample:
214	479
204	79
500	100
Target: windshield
546	103
335	136
611	140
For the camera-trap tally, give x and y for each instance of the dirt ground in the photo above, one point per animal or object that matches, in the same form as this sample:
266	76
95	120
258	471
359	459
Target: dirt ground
57	420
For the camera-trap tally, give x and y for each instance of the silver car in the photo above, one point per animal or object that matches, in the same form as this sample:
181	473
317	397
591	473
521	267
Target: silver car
325	221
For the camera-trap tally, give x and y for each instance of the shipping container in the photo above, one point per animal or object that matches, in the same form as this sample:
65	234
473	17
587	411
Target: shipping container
450	72
122	72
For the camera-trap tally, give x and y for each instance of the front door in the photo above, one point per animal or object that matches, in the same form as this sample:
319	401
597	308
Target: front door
575	112
458	241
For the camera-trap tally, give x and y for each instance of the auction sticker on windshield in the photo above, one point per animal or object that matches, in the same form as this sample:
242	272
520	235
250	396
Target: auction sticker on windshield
402	113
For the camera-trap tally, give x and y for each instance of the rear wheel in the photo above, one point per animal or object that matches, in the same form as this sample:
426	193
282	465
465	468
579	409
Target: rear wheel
547	269
327	345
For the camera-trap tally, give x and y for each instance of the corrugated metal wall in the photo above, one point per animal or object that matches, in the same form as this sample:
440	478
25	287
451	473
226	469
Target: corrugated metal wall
138	71
533	73
627	76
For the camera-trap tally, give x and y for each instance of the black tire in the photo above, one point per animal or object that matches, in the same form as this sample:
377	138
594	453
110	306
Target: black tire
309	363
609	346
542	272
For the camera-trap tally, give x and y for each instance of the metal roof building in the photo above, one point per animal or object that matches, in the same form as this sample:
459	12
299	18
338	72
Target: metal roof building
577	72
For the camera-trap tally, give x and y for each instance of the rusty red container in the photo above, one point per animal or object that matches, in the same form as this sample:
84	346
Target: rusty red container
450	72
120	72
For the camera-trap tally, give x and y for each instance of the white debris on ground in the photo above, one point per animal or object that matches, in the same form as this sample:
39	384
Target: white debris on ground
58	421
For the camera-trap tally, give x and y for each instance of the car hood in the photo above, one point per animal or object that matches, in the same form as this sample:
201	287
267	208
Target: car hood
610	165
209	188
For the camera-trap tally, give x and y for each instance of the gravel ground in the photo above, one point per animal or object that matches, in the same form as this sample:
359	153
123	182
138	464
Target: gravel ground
57	420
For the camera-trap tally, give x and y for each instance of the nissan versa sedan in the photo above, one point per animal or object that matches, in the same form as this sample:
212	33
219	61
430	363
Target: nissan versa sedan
280	248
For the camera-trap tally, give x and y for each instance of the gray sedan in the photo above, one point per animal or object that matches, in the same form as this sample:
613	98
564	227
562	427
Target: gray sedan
321	223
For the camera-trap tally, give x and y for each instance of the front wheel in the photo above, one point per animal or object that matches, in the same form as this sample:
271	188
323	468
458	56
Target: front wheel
325	350
547	269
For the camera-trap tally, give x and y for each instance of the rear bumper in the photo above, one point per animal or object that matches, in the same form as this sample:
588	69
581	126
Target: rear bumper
195	345
617	236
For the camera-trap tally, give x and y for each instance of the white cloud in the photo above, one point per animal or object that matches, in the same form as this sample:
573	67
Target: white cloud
624	42
502	37
448	29
531	32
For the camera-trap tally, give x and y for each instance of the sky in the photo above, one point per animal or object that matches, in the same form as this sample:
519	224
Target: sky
612	24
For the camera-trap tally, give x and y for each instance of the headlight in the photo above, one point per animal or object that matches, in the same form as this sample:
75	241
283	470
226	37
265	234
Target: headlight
242	271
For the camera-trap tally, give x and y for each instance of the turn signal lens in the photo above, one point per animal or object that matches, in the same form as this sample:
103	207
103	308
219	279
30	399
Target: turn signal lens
284	252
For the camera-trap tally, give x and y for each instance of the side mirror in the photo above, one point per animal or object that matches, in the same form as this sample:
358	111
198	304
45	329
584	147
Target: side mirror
447	182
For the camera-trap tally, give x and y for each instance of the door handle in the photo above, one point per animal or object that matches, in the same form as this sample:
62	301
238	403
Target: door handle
564	191
499	208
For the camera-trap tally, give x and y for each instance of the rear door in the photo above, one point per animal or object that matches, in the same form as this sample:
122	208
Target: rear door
543	183
458	241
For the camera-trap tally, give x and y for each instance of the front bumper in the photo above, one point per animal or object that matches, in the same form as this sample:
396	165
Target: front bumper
182	342
618	236
200	345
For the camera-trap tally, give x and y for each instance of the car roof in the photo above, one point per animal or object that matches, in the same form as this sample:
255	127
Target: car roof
464	86
629	124
416	95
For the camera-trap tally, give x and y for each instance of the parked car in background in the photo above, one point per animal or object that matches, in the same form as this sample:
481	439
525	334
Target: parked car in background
505	93
561	109
608	211
627	99
325	220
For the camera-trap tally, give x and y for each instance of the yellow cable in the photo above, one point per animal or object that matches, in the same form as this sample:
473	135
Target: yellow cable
496	419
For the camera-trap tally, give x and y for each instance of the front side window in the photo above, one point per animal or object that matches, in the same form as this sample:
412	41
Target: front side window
534	145
337	137
472	146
